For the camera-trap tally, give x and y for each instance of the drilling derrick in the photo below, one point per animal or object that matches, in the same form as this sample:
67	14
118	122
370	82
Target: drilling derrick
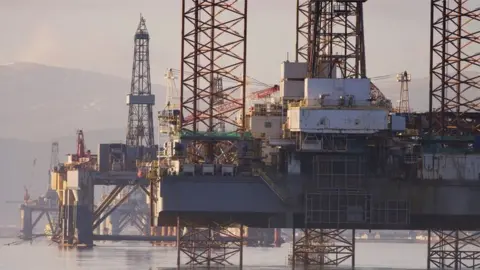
336	39
454	67
330	37
213	49
140	100
140	126
331	32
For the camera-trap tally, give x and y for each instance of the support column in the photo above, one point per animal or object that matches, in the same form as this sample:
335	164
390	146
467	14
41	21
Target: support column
277	242
214	245
84	225
353	249
453	249
323	247
291	257
68	214
27	223
179	235
242	241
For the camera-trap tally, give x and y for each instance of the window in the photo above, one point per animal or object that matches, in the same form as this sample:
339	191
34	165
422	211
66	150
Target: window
268	124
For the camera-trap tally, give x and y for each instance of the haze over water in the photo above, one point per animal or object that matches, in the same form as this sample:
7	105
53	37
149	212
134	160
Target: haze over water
125	256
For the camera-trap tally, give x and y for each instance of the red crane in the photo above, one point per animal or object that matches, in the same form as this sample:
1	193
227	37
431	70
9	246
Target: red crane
81	149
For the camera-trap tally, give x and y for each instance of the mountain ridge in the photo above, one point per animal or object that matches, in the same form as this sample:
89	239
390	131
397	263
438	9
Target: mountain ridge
56	101
31	65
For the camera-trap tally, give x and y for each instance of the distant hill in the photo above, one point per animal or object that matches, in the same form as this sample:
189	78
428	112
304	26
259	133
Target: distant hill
41	102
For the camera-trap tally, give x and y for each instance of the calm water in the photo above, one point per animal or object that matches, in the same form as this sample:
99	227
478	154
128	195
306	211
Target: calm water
40	255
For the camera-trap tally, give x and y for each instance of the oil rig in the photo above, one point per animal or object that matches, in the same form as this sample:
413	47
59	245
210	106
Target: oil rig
323	152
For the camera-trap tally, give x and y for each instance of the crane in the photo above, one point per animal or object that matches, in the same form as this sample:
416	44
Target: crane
268	92
223	108
174	73
82	152
235	104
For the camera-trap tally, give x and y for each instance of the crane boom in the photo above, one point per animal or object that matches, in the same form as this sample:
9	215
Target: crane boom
173	73
235	104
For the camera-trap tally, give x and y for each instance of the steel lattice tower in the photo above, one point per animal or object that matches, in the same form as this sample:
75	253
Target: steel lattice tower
404	78
330	35
140	100
213	46
454	67
330	38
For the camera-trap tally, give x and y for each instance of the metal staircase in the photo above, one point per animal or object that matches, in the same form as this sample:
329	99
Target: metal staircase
281	192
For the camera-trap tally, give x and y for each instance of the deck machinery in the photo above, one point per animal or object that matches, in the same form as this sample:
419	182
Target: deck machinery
326	156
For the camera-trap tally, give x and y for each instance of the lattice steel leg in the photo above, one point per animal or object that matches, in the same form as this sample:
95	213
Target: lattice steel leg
322	247
215	245
453	249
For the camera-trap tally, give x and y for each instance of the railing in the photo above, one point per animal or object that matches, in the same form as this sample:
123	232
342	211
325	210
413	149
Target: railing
282	194
336	103
215	134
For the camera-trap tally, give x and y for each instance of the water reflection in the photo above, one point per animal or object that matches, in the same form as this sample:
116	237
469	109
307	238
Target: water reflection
117	256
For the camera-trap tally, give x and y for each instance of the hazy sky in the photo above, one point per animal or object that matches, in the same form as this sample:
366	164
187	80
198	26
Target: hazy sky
97	35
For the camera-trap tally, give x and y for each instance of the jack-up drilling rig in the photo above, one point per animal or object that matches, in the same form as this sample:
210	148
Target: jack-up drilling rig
33	210
331	159
213	50
118	165
454	121
325	157
334	48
